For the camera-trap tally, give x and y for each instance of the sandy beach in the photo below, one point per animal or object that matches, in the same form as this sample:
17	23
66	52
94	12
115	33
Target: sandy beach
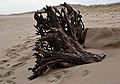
17	37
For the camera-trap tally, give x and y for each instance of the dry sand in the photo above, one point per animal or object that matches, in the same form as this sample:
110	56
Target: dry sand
17	41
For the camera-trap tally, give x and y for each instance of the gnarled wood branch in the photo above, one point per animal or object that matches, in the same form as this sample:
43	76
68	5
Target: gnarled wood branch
61	34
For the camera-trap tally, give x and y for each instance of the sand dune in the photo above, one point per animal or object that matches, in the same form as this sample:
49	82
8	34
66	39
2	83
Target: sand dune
104	38
17	41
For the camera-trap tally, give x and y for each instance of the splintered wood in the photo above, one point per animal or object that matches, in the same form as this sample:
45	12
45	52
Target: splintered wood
60	36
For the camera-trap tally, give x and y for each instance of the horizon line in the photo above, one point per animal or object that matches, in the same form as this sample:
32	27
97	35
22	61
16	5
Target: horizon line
31	11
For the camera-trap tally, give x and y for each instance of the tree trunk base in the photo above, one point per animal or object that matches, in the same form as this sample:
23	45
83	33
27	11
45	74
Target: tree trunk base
60	36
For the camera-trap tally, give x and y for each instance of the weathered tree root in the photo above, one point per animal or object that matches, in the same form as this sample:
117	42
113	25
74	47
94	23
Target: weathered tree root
61	34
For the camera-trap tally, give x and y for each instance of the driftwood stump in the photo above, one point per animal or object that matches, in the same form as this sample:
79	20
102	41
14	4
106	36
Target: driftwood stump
60	36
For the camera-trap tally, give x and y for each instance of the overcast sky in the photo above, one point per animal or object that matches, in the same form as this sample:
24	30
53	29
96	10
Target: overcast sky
18	6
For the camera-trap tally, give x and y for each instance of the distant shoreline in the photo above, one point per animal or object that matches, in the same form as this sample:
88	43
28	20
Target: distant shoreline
82	7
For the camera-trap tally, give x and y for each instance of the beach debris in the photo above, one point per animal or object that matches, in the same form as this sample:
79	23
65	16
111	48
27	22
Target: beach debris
60	34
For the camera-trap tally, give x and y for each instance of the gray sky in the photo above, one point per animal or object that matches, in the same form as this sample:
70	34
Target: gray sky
18	6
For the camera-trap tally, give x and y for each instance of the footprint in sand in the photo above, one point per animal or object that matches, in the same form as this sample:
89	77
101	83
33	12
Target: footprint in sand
7	82
10	82
59	75
13	52
28	56
7	75
3	61
18	54
85	72
6	72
